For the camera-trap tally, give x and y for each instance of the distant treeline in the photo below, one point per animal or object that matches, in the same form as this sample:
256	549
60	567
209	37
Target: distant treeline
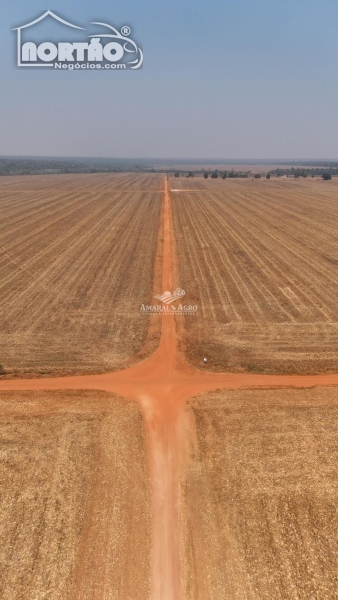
304	172
41	166
327	164
10	165
214	174
235	174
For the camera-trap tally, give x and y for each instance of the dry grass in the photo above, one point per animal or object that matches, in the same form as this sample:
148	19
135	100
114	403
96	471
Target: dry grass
74	516
77	255
261	496
260	260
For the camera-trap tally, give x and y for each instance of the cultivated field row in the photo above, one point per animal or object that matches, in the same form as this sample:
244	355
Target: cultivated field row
121	181
77	261
260	496
260	260
74	507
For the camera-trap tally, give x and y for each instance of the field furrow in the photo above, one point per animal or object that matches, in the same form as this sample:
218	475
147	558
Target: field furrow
259	495
75	498
77	257
260	260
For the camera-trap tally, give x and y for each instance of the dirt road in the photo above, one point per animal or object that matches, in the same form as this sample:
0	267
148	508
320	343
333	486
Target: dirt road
161	385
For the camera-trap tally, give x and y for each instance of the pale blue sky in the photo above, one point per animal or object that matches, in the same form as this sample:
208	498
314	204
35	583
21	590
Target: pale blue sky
226	79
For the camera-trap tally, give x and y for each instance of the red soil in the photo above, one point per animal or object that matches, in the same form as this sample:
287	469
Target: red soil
161	384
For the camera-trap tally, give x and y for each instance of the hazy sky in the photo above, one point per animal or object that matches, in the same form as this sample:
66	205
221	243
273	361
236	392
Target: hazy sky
223	78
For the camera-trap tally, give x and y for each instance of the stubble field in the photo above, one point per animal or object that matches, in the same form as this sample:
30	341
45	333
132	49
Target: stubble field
75	498
77	257
260	259
260	492
260	496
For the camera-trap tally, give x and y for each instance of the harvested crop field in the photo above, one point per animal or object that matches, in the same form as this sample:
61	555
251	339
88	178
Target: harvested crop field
75	501
260	496
260	259
77	256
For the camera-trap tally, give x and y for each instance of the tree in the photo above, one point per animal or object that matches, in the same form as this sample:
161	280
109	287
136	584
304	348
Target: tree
177	174
326	176
214	175
206	175
191	174
300	173
268	176
258	176
224	175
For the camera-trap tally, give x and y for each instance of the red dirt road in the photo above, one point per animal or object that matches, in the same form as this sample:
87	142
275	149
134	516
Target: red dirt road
161	385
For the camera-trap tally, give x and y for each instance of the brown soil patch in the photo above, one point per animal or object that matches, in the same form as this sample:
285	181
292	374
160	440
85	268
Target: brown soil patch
260	261
75	519
77	256
260	496
160	384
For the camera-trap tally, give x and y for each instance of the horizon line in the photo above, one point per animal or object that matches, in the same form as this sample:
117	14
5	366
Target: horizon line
187	159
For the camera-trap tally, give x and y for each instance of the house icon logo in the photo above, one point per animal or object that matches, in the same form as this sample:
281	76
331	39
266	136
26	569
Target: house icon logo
168	297
106	50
